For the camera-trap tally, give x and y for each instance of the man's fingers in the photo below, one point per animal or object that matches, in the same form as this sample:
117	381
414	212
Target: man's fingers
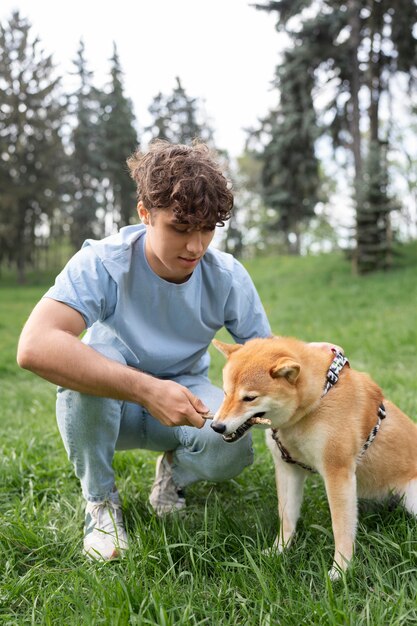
207	416
175	405
199	407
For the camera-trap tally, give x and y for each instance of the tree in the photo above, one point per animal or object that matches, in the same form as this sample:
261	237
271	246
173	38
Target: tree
354	48
120	140
160	127
403	163
31	150
178	118
290	168
247	234
87	157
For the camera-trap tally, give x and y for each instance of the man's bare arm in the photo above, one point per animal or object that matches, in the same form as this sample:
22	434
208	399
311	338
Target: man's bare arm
50	347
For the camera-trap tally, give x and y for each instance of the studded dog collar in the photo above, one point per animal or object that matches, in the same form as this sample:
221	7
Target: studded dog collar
332	377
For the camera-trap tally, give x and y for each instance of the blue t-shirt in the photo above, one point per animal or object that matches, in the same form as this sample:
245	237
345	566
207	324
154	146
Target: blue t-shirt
160	327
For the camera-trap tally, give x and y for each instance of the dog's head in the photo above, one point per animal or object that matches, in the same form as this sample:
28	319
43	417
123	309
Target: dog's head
261	381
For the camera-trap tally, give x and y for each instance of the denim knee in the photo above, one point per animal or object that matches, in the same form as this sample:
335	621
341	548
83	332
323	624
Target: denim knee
231	459
89	427
204	455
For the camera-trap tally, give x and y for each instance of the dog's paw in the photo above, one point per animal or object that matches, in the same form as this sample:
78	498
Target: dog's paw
274	550
335	573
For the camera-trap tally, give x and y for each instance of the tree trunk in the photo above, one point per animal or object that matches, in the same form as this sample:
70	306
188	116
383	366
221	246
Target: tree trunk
354	21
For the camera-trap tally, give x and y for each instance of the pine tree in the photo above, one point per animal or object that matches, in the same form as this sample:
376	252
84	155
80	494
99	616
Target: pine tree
87	156
160	128
120	140
178	118
31	151
356	46
290	171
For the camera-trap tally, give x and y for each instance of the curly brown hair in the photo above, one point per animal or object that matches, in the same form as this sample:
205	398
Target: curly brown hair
187	179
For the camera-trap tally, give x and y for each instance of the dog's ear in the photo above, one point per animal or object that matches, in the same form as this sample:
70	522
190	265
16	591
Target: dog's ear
286	368
226	348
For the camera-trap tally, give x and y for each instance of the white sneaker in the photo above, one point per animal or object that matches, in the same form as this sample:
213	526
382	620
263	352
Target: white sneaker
165	496
105	536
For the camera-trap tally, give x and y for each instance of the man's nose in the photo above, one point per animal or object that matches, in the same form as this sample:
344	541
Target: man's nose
195	242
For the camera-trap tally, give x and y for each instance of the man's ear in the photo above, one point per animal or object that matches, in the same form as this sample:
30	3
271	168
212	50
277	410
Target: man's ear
226	348
143	213
286	368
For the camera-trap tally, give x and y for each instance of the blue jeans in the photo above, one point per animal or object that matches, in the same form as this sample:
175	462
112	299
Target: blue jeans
93	428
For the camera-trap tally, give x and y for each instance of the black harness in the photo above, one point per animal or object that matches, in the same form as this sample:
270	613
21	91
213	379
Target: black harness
332	377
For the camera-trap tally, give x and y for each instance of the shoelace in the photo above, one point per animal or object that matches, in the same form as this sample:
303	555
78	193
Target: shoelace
107	515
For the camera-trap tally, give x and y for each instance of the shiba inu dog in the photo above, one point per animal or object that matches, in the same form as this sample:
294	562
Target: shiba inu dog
321	416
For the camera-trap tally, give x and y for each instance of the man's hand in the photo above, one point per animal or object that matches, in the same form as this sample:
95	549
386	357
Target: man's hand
64	360
173	405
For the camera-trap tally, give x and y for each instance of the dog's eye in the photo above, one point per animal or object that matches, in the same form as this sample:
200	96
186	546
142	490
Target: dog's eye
249	398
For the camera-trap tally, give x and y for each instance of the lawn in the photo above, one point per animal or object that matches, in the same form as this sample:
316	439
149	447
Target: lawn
208	566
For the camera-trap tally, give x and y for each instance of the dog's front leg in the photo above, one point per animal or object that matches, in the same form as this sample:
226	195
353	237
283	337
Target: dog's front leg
289	481
290	486
341	493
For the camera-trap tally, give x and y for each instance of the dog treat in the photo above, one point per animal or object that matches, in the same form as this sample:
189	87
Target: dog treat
264	421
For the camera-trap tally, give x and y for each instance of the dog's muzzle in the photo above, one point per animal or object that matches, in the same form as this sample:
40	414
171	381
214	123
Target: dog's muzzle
256	420
219	427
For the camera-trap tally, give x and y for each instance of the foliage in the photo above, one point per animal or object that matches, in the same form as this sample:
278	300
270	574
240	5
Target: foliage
374	237
178	118
253	216
353	49
120	140
343	54
403	163
31	151
87	155
209	566
62	158
102	138
290	172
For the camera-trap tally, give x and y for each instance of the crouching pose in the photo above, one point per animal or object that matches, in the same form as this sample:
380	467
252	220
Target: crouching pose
150	299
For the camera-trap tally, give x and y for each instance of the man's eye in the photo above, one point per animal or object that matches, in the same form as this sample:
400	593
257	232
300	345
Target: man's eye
249	398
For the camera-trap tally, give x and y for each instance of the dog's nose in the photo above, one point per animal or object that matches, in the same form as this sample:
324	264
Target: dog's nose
218	427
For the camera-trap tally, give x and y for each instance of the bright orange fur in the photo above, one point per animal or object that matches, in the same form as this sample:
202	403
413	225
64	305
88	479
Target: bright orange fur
284	378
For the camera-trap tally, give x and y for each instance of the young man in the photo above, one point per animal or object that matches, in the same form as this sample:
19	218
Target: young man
152	298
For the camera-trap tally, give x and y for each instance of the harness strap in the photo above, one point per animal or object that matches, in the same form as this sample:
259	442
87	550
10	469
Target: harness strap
334	370
332	377
381	416
286	456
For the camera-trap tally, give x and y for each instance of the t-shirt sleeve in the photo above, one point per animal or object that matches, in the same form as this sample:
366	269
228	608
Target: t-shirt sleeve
245	317
85	285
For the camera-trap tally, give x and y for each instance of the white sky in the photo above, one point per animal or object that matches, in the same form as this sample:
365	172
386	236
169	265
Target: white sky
224	51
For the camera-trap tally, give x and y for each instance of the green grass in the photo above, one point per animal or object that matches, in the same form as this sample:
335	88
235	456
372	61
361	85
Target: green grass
207	567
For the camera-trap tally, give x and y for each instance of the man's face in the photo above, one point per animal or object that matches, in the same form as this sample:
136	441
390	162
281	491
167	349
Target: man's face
173	249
